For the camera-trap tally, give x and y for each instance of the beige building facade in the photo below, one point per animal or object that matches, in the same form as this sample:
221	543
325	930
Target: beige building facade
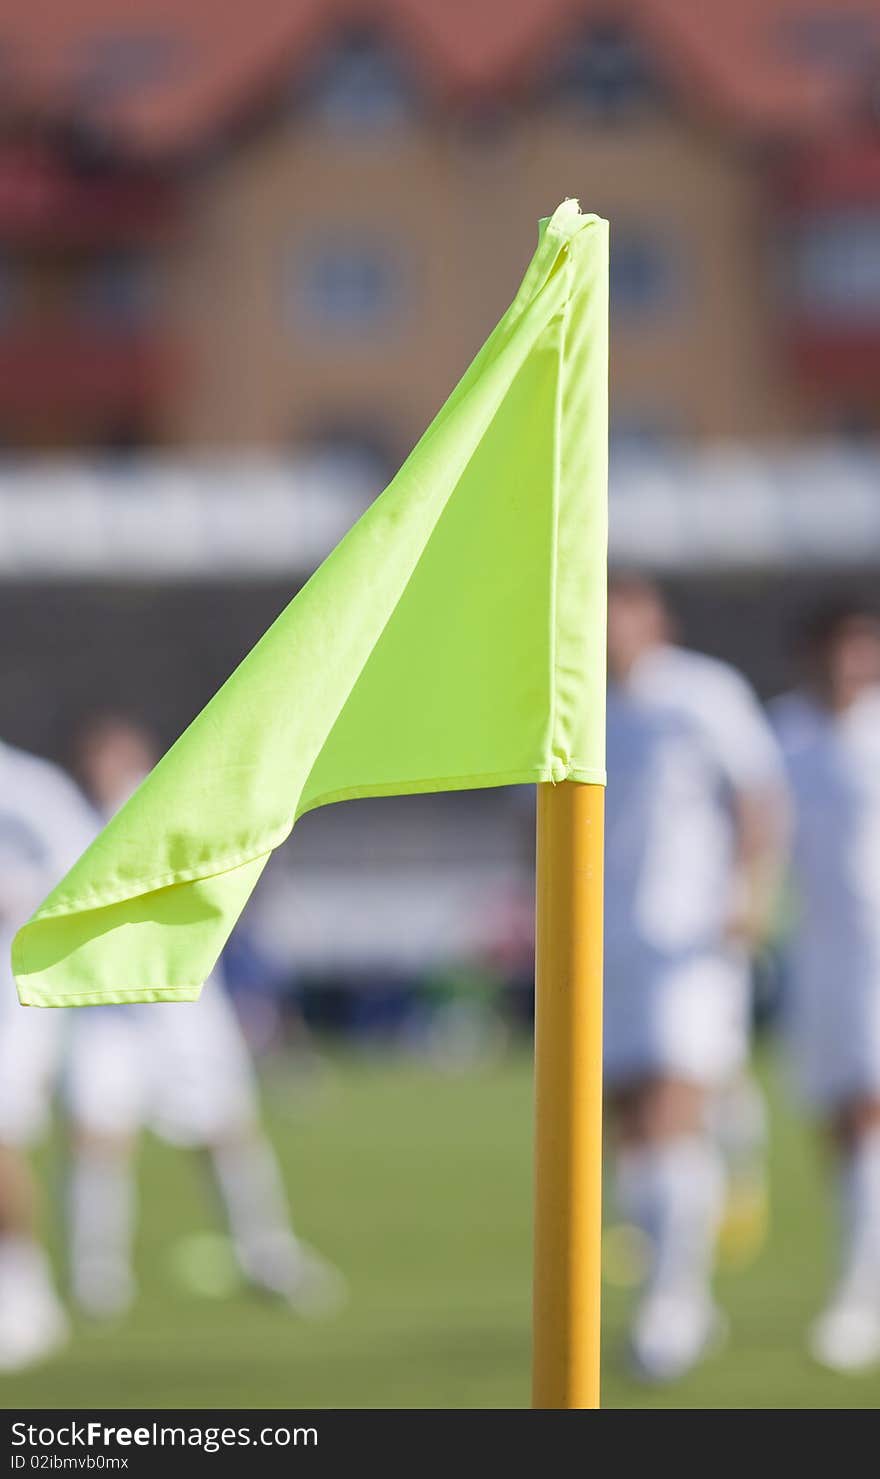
328	285
315	269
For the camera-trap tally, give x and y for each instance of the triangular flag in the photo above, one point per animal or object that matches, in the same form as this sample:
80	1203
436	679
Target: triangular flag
454	638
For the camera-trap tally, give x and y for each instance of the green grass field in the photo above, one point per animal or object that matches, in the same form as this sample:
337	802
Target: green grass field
419	1184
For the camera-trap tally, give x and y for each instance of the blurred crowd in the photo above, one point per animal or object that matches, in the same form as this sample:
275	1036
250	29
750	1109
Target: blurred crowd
737	835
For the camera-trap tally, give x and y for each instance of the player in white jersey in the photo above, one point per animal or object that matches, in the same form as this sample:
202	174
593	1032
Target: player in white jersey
44	825
694	834
830	733
183	1069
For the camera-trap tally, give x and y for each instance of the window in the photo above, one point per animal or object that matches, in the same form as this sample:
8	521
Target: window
856	424
7	292
119	61
836	267
828	37
117	293
606	73
633	431
645	272
359	85
346	288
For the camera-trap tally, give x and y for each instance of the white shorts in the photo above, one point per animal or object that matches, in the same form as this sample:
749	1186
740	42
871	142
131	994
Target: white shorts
30	1053
182	1068
687	1018
833	1022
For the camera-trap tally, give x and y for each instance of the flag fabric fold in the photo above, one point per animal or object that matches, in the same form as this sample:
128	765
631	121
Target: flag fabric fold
455	638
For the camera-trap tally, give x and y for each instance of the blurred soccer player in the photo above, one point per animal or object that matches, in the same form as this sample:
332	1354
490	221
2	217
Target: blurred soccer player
830	732
44	826
694	835
184	1069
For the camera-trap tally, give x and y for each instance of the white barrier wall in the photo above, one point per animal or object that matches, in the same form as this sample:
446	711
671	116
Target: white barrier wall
720	508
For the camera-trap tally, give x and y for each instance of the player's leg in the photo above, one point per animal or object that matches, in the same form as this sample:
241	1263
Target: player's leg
208	1099
32	1321
738	1122
833	1022
101	1213
105	1095
846	1335
670	1185
673	1036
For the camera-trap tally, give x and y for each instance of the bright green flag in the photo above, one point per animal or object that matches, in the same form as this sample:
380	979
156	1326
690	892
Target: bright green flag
454	638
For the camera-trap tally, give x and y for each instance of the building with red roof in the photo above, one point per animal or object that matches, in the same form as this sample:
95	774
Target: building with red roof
290	223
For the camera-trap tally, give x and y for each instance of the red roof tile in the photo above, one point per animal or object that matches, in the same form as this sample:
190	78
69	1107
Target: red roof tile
167	74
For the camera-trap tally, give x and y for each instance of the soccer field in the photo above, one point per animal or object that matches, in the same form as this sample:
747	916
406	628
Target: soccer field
419	1184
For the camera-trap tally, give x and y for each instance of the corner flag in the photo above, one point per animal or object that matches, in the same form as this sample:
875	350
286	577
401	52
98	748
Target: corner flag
454	638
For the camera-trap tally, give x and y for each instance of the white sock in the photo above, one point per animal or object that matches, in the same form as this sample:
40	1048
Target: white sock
673	1192
860	1205
25	1273
738	1121
101	1212
250	1184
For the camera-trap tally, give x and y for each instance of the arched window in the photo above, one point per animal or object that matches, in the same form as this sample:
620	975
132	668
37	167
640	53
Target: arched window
359	84
605	73
119	62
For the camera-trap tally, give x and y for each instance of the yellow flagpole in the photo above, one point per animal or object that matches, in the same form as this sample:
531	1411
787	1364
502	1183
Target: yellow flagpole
568	1096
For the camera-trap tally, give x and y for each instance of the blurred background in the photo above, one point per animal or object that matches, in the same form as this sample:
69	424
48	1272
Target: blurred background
245	253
